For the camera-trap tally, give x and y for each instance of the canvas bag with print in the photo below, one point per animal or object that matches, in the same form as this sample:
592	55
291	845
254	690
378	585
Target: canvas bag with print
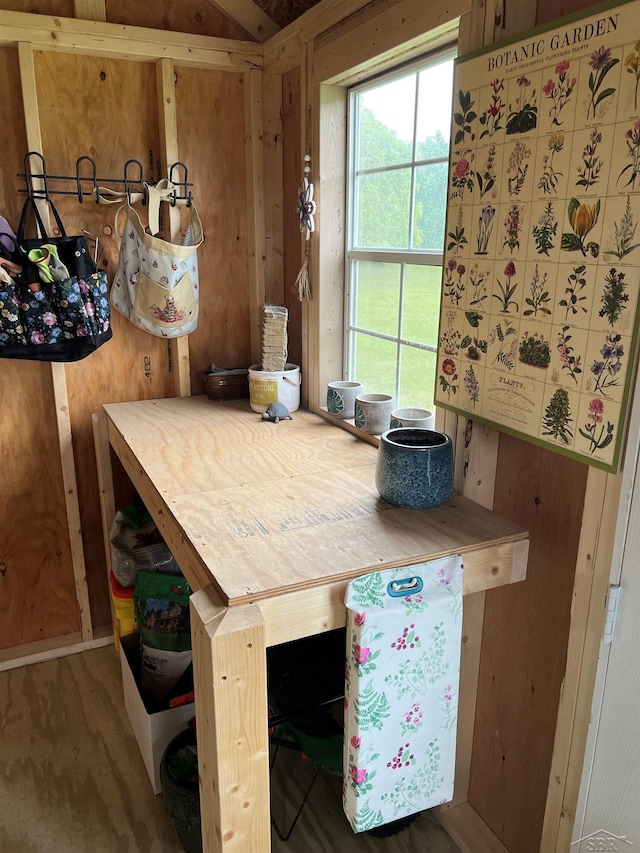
156	285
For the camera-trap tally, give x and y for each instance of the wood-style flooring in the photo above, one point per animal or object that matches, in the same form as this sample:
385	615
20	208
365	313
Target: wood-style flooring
72	780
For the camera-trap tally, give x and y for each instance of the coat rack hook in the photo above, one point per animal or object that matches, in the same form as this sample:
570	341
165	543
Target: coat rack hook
183	185
29	175
93	177
140	179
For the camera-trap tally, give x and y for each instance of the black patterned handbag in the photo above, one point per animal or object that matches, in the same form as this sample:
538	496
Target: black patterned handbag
54	304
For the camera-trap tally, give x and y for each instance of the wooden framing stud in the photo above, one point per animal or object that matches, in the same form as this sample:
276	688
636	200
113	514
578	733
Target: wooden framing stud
229	657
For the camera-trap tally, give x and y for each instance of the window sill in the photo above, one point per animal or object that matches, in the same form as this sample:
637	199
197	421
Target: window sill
347	424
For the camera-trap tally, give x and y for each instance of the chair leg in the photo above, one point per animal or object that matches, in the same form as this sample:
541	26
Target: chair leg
285	836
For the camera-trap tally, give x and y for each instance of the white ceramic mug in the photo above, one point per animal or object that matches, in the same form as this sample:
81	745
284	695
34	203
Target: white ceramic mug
341	398
373	413
420	418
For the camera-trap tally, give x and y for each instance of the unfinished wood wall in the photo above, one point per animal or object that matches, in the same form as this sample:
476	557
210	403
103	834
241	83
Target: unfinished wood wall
182	16
107	108
37	596
292	180
524	648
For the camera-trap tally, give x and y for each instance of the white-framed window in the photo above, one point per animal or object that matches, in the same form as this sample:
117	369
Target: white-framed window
398	149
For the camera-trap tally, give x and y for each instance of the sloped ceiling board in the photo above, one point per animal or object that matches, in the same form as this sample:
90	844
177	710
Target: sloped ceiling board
249	16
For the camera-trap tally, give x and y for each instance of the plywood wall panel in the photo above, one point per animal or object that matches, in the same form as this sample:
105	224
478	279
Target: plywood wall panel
106	109
551	10
37	594
64	8
211	135
181	16
13	136
291	120
524	646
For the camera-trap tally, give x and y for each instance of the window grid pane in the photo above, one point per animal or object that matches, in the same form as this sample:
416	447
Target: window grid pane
398	181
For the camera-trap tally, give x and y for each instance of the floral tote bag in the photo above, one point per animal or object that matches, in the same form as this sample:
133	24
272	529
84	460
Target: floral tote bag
404	629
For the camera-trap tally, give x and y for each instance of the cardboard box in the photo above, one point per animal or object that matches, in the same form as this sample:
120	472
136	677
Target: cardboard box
153	731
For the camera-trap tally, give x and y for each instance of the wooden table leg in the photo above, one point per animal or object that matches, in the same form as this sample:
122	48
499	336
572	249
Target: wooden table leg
229	657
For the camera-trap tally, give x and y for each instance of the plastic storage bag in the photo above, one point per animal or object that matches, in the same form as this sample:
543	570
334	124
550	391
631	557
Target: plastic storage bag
136	544
401	691
162	612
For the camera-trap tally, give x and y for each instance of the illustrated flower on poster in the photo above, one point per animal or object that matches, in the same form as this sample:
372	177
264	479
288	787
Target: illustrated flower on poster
478	280
624	234
632	65
512	228
464	118
456	237
493	115
557	418
594	417
471	385
574	295
534	350
507	290
472	344
453	286
601	63
607	371
614	298
632	138
570	363
487	177
559	91
582	218
448	377
589	171
507	337
524	113
485	227
462	177
517	167
544	231
548	182
450	338
539	297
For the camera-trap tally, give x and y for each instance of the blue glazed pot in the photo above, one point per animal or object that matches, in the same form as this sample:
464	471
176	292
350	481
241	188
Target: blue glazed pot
414	468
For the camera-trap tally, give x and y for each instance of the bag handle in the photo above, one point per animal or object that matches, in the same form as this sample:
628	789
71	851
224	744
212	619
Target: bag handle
164	190
30	204
5	253
105	195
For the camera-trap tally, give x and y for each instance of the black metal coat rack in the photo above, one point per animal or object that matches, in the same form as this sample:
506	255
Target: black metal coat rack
89	186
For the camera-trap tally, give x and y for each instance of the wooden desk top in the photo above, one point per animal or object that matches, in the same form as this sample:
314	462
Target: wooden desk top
261	509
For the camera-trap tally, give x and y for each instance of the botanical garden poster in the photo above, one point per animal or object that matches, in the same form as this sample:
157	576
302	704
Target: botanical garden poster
539	317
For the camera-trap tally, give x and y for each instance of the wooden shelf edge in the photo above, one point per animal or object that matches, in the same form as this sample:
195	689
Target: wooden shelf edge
467	829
